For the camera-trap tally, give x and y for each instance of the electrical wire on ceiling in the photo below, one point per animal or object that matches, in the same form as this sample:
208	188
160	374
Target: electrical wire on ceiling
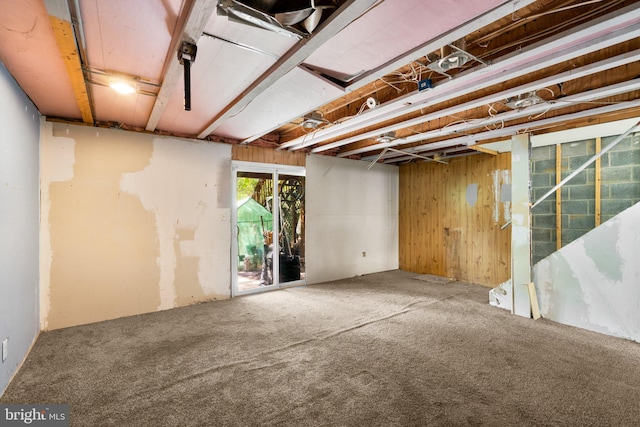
575	20
414	75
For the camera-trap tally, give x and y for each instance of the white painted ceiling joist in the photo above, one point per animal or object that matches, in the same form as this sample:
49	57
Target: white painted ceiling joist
456	34
198	15
587	96
486	100
512	130
606	31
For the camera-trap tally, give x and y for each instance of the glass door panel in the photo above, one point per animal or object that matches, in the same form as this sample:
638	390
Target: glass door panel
291	225
268	220
254	226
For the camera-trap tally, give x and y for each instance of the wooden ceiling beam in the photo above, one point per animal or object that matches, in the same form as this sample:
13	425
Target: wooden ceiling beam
482	149
196	17
60	19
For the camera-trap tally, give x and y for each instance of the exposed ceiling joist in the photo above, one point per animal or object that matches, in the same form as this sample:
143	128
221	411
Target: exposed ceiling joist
458	33
474	25
60	19
482	149
566	76
348	12
513	130
587	96
197	15
605	31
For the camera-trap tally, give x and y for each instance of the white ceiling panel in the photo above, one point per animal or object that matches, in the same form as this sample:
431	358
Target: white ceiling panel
218	75
298	91
125	35
390	27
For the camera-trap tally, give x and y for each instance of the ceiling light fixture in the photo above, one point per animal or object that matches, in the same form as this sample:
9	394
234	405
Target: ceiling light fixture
122	87
451	57
386	138
523	101
312	120
454	60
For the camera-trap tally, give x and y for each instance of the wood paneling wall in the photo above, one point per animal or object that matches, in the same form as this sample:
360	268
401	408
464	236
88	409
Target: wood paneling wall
442	233
250	153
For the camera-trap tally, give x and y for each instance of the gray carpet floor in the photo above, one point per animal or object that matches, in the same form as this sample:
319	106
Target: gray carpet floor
378	350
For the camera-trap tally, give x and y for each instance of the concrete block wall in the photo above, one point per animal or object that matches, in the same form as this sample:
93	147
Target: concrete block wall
620	189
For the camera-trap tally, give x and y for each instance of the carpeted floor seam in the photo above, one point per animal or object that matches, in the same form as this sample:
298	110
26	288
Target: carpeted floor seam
406	309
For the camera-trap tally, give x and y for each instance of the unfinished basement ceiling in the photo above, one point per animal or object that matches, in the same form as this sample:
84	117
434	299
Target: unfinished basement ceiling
384	80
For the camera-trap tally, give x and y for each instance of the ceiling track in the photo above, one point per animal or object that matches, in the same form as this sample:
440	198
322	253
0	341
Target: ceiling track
606	31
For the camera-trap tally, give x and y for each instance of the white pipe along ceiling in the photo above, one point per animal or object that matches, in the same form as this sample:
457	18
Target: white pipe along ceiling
379	80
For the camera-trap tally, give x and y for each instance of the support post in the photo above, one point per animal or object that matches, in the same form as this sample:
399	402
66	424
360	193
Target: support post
558	197
520	226
598	181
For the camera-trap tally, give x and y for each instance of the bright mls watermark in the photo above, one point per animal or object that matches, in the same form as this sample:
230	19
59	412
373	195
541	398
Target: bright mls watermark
34	415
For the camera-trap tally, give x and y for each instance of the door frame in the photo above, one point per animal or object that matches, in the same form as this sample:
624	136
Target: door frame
275	171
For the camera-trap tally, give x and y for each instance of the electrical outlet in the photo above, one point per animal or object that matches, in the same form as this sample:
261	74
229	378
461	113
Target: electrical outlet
5	349
364	254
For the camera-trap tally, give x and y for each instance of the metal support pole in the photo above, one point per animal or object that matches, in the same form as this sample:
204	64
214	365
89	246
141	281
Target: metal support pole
186	55
187	84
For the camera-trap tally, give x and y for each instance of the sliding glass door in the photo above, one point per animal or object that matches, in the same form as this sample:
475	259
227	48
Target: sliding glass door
268	227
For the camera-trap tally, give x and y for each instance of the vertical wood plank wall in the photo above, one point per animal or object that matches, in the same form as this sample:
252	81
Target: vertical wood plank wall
250	153
441	233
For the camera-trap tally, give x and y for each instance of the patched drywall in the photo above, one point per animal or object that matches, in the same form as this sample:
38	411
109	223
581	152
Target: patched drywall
131	223
594	282
351	218
19	217
187	186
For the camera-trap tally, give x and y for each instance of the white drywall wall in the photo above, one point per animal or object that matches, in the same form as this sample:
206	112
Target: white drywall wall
350	210
594	282
19	218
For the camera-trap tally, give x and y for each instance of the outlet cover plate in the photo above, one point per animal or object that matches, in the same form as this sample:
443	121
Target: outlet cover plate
5	349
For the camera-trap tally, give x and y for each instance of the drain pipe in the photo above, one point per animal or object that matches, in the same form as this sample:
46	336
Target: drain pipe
586	164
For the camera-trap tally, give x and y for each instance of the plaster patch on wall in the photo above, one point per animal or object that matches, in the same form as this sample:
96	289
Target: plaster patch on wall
60	152
501	195
496	195
592	282
193	229
186	271
472	194
505	194
597	291
103	244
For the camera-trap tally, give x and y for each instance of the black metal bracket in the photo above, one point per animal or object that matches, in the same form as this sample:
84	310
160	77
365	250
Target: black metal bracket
186	55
